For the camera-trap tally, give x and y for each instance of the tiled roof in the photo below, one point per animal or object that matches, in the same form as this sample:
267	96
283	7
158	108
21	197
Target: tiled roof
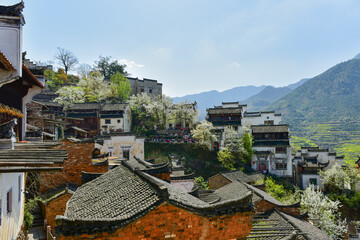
264	195
239	175
271	226
117	195
270	128
138	164
114	106
5	62
237	110
227	195
26	74
312	161
121	195
28	160
278	225
84	106
14	10
311	232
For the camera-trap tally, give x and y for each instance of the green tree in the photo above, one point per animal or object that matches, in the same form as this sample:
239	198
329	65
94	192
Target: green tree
120	87
107	68
204	135
247	144
227	159
59	79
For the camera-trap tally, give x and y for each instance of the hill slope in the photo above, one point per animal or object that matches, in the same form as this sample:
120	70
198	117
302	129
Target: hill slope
333	95
326	108
267	96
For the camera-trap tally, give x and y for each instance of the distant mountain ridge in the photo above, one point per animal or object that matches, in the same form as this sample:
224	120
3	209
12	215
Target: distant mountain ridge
256	97
331	96
264	98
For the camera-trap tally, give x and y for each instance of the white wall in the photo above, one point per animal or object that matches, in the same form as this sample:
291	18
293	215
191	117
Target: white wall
116	144
11	43
127	119
260	120
114	124
11	222
306	180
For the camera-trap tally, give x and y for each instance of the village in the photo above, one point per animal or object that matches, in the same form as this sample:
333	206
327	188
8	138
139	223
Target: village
119	167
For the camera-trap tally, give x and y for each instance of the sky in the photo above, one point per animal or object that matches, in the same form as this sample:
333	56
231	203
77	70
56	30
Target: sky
196	46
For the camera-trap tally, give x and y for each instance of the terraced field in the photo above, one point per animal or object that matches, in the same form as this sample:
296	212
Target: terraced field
342	137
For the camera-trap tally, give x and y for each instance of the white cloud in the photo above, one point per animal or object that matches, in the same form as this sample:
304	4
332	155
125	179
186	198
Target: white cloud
131	64
235	65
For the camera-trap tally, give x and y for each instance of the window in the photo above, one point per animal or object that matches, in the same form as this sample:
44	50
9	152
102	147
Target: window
118	121
280	150
107	121
111	150
150	90
126	154
269	122
9	201
281	166
313	181
142	90
19	188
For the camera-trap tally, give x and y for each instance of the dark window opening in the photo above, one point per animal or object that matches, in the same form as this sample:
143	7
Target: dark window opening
107	121
9	201
118	121
313	181
281	166
126	154
280	150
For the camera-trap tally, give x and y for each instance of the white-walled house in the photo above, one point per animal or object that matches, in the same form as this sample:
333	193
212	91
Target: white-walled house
115	117
17	84
307	163
125	146
272	149
236	115
11	204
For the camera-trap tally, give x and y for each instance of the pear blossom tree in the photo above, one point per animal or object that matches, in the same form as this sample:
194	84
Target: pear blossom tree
204	135
323	212
70	95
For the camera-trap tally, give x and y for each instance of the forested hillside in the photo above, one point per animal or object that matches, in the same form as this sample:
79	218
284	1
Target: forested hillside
326	109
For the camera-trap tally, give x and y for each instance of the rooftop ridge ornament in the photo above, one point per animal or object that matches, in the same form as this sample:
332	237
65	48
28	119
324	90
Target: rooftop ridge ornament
7	130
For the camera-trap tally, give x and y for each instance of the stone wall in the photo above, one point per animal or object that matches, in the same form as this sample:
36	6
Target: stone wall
79	160
170	222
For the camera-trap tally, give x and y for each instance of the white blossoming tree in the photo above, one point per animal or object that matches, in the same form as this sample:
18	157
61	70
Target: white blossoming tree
323	212
204	135
70	95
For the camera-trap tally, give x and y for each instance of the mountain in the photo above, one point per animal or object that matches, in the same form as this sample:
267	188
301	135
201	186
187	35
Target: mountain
331	96
210	99
325	110
267	96
357	56
297	84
